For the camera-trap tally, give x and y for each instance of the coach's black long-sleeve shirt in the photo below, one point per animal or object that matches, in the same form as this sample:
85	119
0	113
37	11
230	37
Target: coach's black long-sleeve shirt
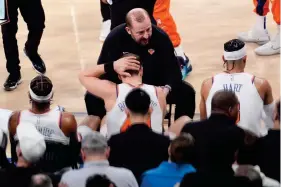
160	66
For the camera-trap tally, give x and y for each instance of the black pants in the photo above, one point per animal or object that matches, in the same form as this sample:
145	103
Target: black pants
183	96
105	11
33	14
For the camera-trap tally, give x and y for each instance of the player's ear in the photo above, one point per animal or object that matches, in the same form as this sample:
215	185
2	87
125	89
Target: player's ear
223	59
245	59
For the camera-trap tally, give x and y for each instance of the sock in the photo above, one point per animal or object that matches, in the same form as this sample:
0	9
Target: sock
261	22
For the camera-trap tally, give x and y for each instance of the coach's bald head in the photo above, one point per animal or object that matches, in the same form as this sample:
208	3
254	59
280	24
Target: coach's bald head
139	25
136	15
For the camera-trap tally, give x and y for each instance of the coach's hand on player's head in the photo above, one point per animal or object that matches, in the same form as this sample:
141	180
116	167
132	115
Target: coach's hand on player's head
126	63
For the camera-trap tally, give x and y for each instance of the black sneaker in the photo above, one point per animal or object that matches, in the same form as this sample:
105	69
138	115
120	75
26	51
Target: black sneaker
12	82
37	62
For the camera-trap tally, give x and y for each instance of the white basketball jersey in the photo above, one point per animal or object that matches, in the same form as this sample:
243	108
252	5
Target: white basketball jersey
48	124
251	104
117	117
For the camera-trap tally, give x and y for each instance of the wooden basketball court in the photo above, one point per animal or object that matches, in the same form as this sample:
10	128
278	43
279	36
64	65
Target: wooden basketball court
70	43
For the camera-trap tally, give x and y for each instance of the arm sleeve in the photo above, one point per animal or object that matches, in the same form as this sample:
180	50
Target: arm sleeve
109	54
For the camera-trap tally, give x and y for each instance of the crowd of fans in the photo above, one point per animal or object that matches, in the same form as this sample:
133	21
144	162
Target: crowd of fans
49	148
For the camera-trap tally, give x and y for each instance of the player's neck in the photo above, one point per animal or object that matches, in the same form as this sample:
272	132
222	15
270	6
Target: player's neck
238	70
134	80
35	110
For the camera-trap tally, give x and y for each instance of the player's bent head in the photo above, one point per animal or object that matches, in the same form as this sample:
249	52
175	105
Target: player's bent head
227	102
235	52
181	149
138	102
134	72
41	91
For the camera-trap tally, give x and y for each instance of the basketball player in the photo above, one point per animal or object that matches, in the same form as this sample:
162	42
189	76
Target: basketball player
58	128
254	94
166	22
259	34
114	96
34	16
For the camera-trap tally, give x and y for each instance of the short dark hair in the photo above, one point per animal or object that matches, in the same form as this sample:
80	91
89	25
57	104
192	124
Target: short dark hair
98	181
233	45
138	101
41	86
181	149
133	72
223	100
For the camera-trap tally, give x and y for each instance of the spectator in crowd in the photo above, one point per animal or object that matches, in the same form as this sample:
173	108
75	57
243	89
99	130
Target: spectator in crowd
114	95
139	148
219	129
269	151
41	180
254	94
170	173
160	65
58	128
30	148
95	152
99	181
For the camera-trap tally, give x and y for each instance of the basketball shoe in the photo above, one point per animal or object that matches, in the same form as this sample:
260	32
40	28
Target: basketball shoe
272	47
258	34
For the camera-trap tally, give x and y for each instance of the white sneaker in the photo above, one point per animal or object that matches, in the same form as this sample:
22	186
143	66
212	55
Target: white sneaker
270	48
105	30
259	36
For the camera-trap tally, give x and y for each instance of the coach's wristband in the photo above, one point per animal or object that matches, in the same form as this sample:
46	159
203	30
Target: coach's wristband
168	87
108	67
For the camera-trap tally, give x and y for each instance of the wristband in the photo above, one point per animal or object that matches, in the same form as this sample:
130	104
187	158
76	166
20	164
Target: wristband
108	67
168	87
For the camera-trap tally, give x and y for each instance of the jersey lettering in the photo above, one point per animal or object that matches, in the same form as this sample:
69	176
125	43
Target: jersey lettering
45	131
122	105
232	87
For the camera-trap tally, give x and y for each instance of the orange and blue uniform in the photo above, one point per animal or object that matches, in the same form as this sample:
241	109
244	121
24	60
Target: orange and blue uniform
262	8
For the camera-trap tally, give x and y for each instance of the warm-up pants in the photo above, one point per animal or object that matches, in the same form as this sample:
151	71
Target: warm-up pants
165	20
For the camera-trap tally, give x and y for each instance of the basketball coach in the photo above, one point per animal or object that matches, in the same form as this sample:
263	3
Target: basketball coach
160	65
